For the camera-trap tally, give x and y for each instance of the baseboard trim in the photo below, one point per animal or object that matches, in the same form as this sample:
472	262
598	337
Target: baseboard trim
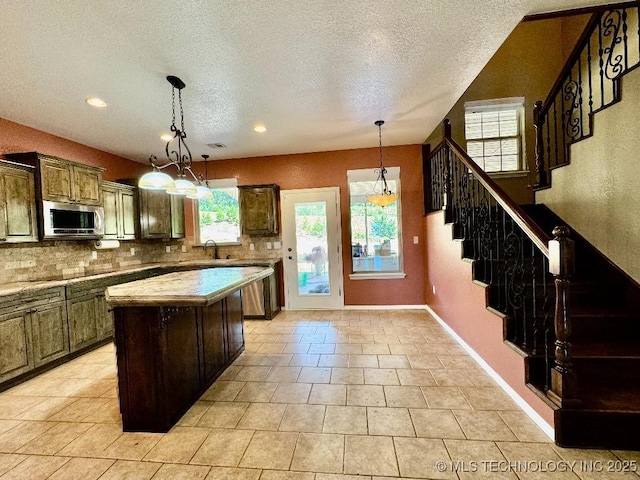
384	307
531	413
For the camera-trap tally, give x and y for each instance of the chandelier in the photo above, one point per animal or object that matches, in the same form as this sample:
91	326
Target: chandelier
382	195
177	154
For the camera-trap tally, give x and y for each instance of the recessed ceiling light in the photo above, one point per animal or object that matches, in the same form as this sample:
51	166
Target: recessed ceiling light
166	137
260	128
96	102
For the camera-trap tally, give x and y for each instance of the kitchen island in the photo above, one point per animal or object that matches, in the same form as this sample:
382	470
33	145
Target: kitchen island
174	335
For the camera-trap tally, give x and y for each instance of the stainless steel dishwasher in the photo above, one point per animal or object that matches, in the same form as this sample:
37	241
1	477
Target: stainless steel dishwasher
253	299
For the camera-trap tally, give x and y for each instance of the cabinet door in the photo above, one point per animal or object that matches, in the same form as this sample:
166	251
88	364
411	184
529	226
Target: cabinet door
57	181
110	205
50	333
104	318
83	329
259	210
128	214
155	214
87	185
15	345
213	339
177	216
18	187
234	324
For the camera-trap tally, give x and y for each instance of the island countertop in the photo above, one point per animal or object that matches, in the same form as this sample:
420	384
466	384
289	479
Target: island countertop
189	288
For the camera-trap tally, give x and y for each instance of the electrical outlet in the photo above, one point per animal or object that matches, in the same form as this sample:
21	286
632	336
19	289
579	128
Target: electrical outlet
184	249
167	249
268	245
416	240
434	289
133	251
94	255
252	246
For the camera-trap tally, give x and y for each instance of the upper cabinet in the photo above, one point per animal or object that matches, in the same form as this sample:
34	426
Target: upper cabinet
60	180
18	220
161	215
259	209
65	181
120	211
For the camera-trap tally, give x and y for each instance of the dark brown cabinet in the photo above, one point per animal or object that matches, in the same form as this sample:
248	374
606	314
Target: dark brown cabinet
259	209
161	215
120	211
18	218
168	357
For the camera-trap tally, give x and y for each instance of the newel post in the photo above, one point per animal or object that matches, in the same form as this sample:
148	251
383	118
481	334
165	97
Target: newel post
564	386
446	195
541	173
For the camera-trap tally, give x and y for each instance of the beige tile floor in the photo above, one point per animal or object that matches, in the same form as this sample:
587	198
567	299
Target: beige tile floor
316	396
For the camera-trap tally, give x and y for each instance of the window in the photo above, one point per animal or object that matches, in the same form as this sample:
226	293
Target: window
376	242
219	219
493	130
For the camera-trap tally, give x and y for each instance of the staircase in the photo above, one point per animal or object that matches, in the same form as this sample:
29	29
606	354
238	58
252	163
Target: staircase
605	338
572	314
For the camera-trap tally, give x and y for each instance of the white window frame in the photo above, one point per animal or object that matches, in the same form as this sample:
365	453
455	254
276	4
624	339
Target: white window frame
213	184
370	175
495	105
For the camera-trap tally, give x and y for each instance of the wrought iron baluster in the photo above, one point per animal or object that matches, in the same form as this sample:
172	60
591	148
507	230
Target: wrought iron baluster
589	60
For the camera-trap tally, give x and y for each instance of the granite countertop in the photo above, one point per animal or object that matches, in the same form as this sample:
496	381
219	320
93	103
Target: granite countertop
189	288
10	288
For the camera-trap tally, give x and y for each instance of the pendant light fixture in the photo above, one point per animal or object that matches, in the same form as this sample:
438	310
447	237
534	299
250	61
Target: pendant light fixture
203	192
177	153
382	195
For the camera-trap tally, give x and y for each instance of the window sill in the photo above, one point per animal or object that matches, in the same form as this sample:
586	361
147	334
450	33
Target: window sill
377	275
221	244
510	174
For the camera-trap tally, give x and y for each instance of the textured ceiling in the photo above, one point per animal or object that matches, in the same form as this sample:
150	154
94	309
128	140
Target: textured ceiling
316	73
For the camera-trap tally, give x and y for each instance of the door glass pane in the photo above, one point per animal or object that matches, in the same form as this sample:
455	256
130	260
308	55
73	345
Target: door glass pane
311	248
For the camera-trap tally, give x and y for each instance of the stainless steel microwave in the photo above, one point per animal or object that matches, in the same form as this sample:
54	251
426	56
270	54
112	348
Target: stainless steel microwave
72	221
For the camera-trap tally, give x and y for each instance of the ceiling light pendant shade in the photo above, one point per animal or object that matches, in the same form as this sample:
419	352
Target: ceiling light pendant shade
177	154
182	186
156	180
203	192
382	195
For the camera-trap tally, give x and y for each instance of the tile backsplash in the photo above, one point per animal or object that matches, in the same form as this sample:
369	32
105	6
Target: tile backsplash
57	260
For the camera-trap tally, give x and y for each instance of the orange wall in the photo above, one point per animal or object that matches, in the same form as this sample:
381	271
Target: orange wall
462	305
313	170
329	169
18	138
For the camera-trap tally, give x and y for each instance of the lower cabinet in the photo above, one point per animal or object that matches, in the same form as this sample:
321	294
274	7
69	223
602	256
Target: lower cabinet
33	331
83	329
168	357
50	333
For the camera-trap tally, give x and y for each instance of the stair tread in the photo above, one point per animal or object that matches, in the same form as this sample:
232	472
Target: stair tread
622	398
606	349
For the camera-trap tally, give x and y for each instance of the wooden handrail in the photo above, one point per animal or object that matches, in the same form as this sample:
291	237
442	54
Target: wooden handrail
530	228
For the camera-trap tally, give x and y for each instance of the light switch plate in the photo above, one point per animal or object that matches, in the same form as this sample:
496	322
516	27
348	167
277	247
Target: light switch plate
277	245
184	248
268	245
416	240
252	246
94	255
167	249
133	251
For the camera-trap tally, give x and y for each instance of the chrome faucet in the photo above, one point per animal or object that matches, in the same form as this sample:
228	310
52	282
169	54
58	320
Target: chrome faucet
215	248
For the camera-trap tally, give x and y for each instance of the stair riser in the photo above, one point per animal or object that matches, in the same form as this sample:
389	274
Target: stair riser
607	371
597	429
